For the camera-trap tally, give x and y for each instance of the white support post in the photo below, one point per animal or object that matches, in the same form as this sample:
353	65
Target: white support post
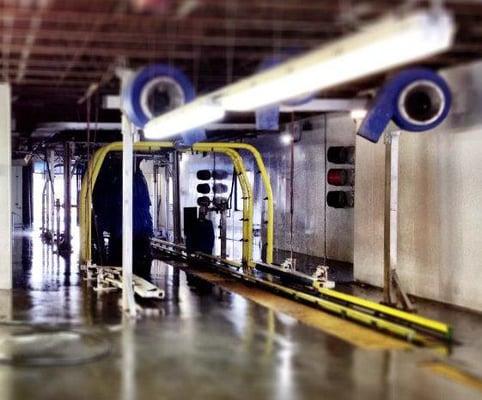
393	292
128	137
391	214
128	302
6	184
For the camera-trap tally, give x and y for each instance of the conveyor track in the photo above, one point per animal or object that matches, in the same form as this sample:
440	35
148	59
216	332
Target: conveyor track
411	327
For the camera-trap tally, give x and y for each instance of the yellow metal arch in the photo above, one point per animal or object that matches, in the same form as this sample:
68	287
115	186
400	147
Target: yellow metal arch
88	183
248	200
99	157
268	191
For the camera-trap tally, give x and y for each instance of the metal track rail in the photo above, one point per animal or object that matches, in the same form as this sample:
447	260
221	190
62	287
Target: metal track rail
411	327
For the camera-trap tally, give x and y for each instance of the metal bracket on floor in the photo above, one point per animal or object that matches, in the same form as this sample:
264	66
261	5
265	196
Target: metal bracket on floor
110	278
320	278
397	295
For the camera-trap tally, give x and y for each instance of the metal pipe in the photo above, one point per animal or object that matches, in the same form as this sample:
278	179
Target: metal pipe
222	233
155	208
67	191
44	203
128	302
176	195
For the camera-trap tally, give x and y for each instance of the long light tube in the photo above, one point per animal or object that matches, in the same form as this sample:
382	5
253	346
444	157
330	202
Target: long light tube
391	42
183	119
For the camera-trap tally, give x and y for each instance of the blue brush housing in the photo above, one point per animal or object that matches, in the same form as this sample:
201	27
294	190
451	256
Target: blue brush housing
385	106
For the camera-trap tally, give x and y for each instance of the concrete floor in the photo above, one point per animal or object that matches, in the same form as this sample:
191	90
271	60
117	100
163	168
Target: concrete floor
206	343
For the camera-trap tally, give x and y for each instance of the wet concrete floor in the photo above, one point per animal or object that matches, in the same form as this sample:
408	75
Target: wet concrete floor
205	343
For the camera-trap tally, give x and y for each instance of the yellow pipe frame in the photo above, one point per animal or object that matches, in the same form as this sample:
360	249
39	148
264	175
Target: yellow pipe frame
268	191
87	188
225	148
248	200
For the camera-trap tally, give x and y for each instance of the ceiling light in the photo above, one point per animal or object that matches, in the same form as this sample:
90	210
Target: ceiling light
286	138
389	43
183	119
358	114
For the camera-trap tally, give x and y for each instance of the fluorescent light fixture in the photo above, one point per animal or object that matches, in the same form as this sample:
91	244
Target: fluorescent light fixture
358	114
393	41
191	116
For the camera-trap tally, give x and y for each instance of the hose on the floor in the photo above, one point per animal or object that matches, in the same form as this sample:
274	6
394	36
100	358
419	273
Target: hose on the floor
44	345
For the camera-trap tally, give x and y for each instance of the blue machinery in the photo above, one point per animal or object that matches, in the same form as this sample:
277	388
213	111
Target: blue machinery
415	99
155	90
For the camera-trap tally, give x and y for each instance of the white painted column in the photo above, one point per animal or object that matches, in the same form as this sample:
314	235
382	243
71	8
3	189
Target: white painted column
128	302
128	137
6	185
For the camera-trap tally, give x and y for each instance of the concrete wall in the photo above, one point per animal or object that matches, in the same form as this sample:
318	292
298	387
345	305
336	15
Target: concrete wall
440	243
5	184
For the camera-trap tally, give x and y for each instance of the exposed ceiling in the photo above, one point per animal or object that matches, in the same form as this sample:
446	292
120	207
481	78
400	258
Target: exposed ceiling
53	51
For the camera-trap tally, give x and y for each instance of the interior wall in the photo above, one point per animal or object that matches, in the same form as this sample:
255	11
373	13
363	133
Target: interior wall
5	183
440	217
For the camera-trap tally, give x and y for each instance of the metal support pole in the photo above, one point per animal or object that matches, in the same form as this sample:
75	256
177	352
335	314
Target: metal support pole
51	161
67	199
176	210
155	208
128	137
223	232
392	290
128	302
167	197
57	229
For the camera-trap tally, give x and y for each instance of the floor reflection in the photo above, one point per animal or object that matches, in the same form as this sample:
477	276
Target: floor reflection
205	343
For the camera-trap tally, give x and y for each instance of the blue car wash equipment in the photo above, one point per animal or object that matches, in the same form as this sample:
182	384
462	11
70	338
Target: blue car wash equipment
416	100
